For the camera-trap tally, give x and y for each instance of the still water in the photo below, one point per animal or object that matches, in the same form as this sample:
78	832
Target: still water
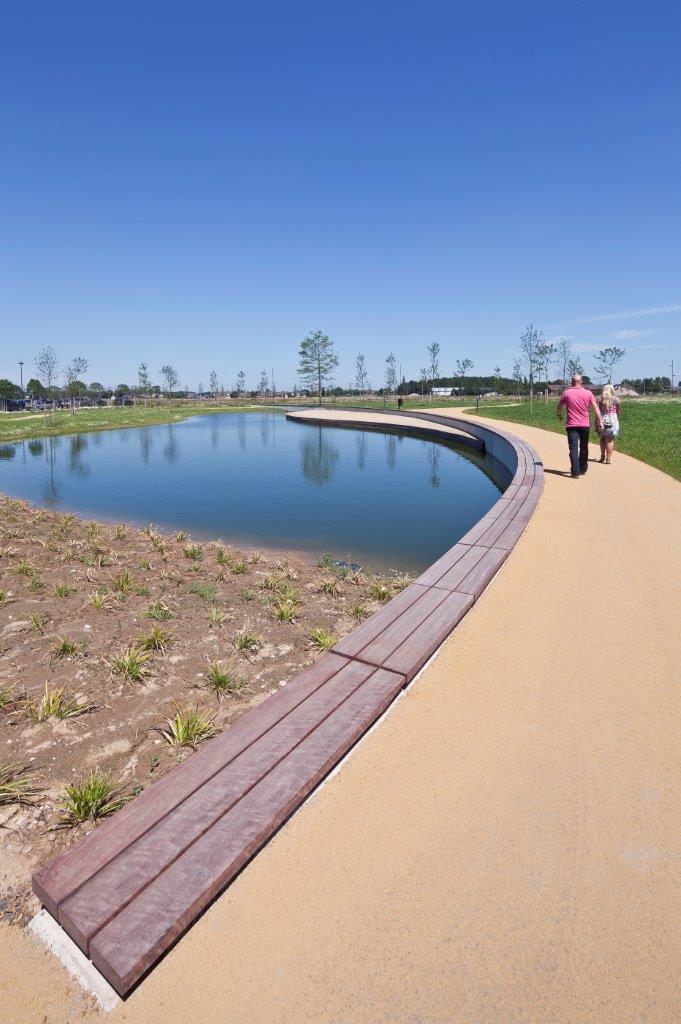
382	500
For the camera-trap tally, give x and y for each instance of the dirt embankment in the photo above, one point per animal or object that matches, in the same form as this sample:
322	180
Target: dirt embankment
133	626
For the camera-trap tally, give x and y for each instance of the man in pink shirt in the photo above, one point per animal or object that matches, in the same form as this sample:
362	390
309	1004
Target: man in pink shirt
578	402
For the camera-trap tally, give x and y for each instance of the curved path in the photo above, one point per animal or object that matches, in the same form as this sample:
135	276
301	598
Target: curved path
505	846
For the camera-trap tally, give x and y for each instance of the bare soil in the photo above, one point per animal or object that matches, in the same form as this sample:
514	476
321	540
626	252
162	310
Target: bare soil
51	566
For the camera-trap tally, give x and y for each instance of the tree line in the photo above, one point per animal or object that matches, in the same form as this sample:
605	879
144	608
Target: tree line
539	363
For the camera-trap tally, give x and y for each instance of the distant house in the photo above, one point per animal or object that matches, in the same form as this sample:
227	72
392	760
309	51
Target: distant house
624	392
444	392
556	389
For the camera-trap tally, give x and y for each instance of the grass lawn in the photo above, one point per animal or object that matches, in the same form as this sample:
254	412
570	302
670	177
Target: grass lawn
18	426
649	430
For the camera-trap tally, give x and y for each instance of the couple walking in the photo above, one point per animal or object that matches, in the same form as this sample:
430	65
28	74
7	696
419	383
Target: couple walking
578	403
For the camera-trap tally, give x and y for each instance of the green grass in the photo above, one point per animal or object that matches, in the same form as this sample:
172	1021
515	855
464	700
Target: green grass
18	426
187	728
15	785
54	703
649	430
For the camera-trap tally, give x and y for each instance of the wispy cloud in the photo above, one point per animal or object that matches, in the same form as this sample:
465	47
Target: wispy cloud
630	314
629	334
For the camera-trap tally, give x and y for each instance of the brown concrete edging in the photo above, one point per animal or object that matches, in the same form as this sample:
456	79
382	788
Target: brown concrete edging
128	890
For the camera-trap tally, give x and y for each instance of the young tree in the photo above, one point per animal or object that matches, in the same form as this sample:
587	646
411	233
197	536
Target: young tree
263	383
563	355
574	366
434	356
423	379
34	389
75	388
317	362
240	383
497	375
530	341
169	374
462	368
46	366
518	375
143	378
606	360
213	383
545	355
361	374
390	373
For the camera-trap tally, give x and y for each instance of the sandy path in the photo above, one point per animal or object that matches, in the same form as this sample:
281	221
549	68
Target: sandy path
504	847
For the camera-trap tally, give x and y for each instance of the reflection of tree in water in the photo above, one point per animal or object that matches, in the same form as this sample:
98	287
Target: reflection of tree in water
214	435
434	461
319	458
50	490
7	452
145	444
97	438
241	430
391	450
35	448
77	444
171	450
362	448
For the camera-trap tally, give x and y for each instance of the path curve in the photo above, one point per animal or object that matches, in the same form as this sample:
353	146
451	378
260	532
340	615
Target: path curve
504	847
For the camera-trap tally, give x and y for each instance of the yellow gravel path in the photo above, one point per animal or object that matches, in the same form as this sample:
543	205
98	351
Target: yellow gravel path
504	847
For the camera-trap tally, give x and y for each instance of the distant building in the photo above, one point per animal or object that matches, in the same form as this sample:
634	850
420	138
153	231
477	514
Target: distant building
444	392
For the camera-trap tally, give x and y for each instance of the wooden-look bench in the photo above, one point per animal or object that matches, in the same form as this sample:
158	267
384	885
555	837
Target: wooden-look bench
130	888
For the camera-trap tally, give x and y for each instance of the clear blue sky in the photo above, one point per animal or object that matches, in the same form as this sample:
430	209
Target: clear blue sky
204	183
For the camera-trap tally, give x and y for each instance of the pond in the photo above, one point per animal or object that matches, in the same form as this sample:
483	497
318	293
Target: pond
381	500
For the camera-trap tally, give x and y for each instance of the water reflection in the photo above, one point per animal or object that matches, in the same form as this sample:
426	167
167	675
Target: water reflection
319	458
145	444
362	448
35	448
50	490
391	450
434	463
77	445
171	450
7	452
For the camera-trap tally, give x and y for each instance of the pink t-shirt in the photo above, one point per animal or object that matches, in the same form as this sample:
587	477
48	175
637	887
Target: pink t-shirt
577	401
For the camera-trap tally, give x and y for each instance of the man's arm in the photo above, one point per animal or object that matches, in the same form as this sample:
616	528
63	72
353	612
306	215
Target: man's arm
559	408
599	418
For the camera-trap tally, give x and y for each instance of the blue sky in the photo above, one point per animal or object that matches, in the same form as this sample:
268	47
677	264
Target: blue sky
205	183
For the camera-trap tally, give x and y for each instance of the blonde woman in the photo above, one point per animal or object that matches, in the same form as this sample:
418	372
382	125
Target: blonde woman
610	411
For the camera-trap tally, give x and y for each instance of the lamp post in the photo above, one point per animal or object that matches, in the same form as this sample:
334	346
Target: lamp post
21	372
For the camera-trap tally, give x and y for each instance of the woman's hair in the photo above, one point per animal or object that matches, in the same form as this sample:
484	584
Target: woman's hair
608	396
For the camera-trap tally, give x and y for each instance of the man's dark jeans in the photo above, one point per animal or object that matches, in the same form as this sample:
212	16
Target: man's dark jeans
578	442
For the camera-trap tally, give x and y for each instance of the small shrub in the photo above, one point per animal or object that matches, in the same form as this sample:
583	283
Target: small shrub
26	567
181	536
145	564
120	532
64	589
359	611
123	583
38	622
285	610
256	556
239	567
222	679
16	786
3	596
187	728
222	557
159	611
321	639
216	616
287	592
247	594
194	552
379	591
272	581
247	643
204	591
142	591
160	545
92	800
331	586
325	562
131	663
98	599
157	639
35	583
55	704
65	648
